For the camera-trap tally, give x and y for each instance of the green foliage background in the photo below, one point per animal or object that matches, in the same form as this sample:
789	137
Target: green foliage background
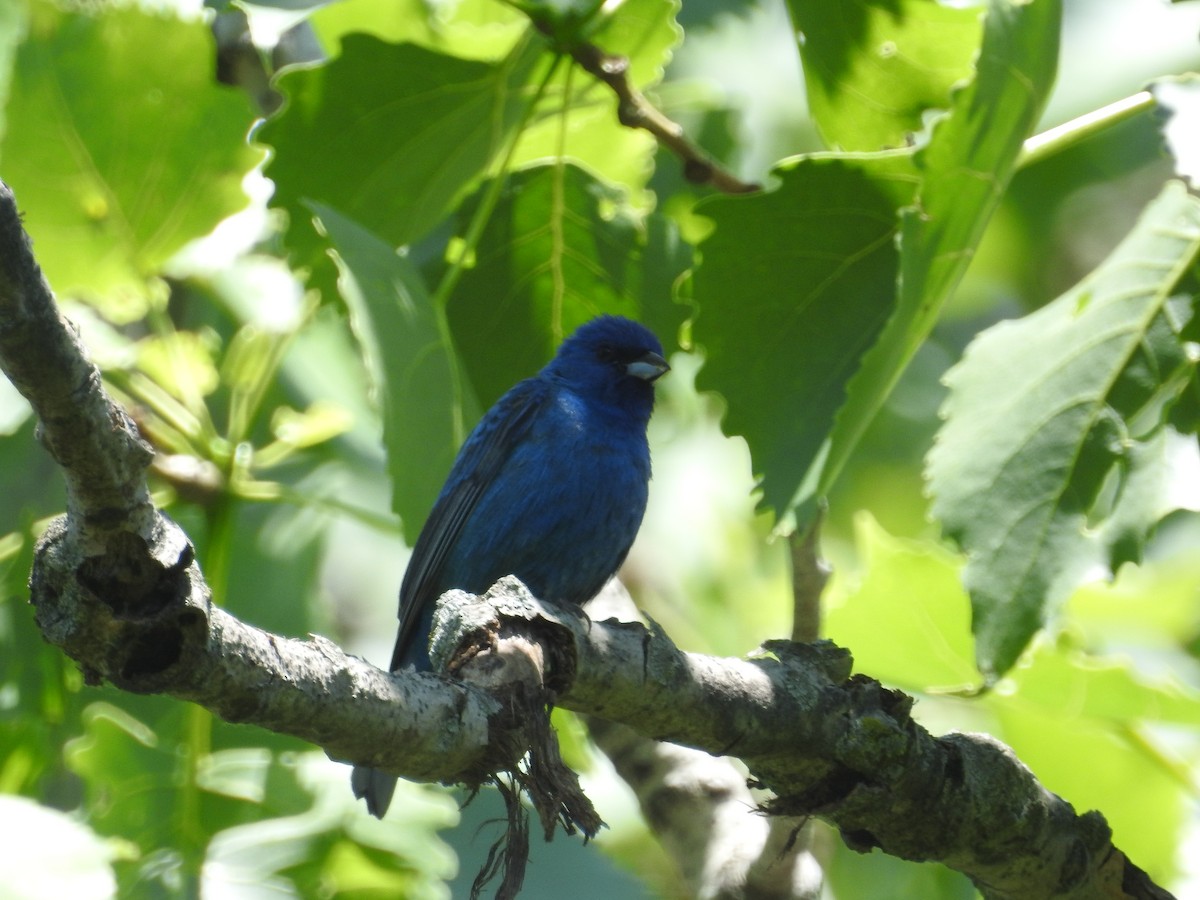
980	351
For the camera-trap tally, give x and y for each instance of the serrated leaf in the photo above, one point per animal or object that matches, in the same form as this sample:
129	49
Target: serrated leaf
391	135
1048	469
873	68
559	249
819	255
409	364
121	147
965	168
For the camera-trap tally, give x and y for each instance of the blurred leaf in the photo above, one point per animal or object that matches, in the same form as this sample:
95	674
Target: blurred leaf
559	249
393	160
964	171
110	189
1143	802
129	776
182	363
873	68
906	617
1052	464
1181	97
1102	690
319	423
794	286
470	29
324	845
1152	605
410	366
48	855
854	875
13	24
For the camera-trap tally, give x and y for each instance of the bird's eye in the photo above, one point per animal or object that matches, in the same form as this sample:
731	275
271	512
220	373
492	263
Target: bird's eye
605	353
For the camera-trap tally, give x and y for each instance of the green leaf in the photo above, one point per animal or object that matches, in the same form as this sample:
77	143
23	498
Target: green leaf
1053	464
129	775
470	29
873	68
559	249
589	131
309	839
391	135
121	147
1070	683
1118	773
964	171
407	358
795	285
906	617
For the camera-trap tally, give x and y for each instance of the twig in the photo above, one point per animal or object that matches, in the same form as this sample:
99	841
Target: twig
634	111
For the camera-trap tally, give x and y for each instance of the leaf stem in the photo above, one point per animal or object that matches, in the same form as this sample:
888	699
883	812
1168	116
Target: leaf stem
1068	134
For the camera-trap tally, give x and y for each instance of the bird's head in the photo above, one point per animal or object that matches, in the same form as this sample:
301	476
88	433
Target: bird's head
612	359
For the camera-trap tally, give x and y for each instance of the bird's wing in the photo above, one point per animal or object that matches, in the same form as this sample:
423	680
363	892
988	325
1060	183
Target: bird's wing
475	469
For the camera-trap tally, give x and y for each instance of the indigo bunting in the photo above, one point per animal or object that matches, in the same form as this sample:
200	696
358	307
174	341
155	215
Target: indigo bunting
550	486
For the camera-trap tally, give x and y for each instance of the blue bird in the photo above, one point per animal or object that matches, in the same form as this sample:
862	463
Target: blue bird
550	486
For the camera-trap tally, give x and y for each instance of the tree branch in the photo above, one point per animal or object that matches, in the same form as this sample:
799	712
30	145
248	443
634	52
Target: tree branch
116	586
701	808
635	111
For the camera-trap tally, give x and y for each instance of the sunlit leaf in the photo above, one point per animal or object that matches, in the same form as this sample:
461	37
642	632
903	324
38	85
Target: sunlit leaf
645	33
318	423
111	189
964	170
182	363
391	135
1142	801
1102	690
471	29
1052	465
906	618
873	68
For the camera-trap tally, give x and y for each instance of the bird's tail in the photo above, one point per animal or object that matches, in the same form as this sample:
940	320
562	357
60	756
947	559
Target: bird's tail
375	787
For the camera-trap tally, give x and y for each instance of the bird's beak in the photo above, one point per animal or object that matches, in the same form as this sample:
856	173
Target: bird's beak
648	367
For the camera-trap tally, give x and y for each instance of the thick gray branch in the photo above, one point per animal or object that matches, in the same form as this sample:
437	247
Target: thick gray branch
115	586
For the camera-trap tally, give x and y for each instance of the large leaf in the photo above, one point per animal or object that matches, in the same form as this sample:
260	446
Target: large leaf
121	147
964	170
906	616
579	117
559	249
1053	463
391	135
407	359
470	29
795	285
872	68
